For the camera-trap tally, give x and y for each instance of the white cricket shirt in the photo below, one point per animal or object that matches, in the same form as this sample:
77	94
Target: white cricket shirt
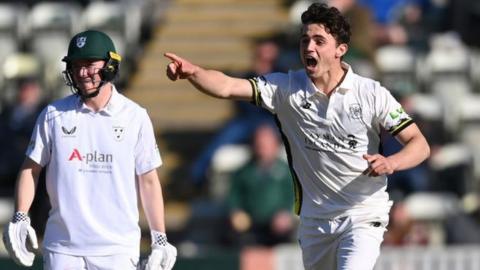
92	160
326	138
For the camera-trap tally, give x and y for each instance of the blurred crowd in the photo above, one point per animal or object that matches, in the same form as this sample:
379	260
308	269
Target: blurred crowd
426	52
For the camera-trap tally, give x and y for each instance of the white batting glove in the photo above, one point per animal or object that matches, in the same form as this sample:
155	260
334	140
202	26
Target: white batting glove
163	254
15	239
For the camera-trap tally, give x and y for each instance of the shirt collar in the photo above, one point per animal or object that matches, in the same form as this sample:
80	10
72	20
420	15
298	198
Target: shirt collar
113	105
345	85
115	102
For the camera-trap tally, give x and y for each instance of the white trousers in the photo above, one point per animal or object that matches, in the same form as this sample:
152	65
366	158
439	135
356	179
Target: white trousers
347	243
58	261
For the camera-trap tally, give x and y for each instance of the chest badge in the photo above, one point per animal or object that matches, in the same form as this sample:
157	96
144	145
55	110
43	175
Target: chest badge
355	111
118	133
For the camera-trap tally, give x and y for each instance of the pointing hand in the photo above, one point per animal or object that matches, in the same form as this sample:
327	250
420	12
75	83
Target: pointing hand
179	68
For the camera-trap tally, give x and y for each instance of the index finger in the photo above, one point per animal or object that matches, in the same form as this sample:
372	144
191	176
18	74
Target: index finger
172	57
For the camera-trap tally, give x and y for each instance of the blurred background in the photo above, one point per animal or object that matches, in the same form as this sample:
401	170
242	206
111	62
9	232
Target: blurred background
426	52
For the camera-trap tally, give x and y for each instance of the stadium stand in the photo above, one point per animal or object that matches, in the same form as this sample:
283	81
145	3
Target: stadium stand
440	84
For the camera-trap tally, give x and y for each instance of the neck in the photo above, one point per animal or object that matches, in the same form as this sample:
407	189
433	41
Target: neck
101	100
330	79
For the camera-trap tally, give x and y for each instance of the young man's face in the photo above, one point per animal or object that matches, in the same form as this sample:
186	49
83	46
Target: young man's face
319	50
86	74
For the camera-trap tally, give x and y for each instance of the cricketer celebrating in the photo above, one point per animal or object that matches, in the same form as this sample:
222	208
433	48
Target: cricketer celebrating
99	151
331	120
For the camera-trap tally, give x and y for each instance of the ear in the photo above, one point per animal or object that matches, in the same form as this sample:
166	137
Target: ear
341	50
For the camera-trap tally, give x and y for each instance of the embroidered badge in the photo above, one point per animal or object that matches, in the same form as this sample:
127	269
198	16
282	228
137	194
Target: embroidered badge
81	41
355	111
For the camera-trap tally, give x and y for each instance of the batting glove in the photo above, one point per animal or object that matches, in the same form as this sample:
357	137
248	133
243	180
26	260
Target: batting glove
163	254
15	239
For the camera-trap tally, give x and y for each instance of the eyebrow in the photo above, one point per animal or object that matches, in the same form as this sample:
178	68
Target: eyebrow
314	37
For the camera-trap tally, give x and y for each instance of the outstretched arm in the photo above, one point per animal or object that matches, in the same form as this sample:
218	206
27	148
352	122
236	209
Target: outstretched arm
415	150
210	82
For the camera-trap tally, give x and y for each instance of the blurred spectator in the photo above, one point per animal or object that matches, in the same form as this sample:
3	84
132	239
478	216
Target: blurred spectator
464	228
16	124
362	43
386	15
247	117
464	18
403	230
261	195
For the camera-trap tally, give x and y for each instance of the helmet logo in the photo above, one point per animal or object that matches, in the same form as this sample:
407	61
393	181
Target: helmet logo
81	41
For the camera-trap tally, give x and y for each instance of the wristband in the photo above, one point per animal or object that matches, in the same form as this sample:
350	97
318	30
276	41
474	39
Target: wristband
158	238
20	216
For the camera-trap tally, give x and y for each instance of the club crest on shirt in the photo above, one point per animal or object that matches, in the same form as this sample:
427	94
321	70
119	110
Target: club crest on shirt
118	133
355	111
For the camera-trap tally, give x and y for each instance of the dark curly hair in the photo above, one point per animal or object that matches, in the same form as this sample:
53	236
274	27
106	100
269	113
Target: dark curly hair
330	18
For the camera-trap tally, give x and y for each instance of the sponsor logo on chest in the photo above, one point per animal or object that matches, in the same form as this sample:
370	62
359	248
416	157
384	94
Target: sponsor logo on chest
92	157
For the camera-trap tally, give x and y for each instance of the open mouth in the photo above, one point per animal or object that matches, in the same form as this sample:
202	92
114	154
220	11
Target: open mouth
310	61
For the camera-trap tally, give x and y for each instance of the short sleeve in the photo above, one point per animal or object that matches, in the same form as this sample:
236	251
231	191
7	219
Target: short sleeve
389	111
267	89
39	148
147	154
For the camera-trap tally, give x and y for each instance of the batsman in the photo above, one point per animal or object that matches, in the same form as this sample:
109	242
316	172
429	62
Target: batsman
100	154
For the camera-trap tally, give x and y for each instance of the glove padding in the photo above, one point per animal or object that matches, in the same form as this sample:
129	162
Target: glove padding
163	254
15	239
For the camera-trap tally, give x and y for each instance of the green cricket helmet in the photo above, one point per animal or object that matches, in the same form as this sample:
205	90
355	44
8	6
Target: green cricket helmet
92	44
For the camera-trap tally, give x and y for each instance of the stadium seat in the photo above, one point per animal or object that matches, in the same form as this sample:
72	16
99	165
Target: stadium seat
225	160
51	25
122	22
451	91
447	59
15	66
396	65
432	205
427	106
11	16
470	137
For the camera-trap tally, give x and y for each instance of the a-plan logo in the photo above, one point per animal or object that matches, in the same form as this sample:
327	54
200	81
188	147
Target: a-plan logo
95	157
